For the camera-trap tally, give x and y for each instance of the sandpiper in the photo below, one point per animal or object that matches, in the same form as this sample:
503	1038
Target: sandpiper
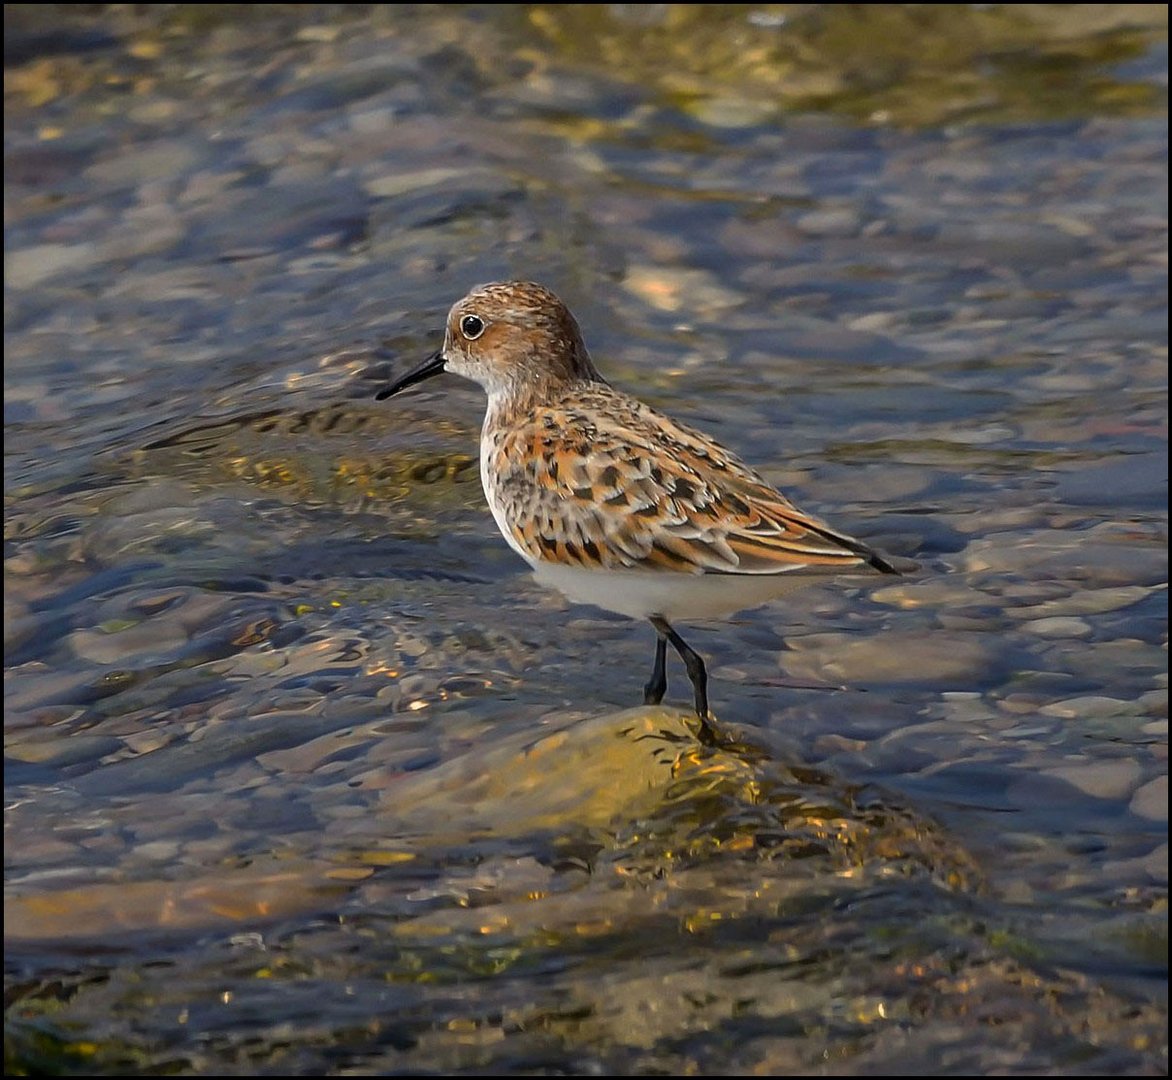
616	504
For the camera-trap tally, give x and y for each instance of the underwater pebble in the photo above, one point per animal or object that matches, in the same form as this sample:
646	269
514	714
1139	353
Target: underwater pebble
1058	627
400	183
61	752
679	290
161	851
843	222
311	755
940	591
968	708
145	231
1155	703
1153	866
1151	800
1061	554
888	657
1091	707
976	617
1088	602
1100	780
132	645
160	159
1111	661
25	268
723	112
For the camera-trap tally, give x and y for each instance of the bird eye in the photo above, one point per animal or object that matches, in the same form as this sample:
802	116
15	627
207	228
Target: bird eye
472	326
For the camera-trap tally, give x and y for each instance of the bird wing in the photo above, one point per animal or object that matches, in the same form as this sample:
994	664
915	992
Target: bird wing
603	481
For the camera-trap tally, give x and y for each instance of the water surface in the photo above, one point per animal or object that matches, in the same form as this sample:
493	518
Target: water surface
304	774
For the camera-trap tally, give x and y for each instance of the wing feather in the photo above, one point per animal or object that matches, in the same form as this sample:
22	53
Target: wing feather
600	479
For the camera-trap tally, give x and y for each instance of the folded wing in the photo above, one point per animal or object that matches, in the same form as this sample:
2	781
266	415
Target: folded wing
640	491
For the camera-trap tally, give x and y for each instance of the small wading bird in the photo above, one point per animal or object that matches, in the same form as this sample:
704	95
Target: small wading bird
613	503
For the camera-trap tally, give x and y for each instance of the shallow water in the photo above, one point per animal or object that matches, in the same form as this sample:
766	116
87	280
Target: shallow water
305	774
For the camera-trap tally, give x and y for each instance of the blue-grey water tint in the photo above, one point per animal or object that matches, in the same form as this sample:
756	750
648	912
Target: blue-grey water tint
306	775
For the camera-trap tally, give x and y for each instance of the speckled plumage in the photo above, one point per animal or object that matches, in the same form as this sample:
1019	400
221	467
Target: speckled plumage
597	479
611	501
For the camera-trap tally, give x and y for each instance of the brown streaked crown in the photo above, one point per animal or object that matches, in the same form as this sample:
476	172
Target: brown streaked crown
516	335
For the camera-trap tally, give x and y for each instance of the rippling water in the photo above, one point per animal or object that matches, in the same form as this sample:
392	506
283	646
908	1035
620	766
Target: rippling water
305	775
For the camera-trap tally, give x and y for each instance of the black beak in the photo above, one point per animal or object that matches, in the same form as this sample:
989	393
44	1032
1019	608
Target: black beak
433	365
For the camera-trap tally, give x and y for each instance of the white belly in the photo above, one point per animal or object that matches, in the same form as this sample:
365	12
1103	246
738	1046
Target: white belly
640	594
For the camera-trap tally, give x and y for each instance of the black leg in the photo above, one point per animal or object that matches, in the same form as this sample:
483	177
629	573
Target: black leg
657	685
696	672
